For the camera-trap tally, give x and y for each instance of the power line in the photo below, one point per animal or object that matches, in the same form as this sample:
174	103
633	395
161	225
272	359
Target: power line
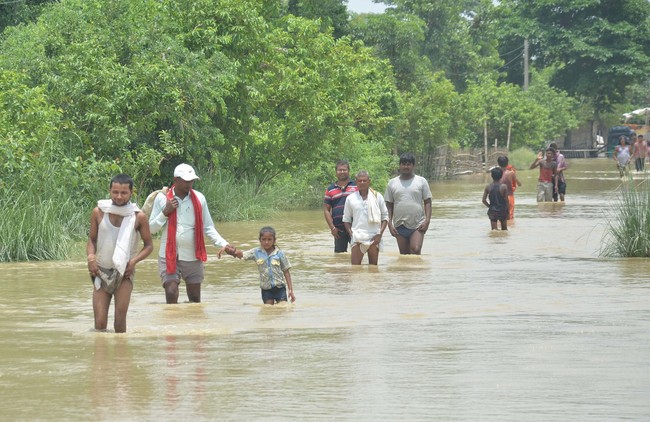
511	51
507	64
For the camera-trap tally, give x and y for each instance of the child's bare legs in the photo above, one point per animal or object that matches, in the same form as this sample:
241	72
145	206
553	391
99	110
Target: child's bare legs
493	224
504	224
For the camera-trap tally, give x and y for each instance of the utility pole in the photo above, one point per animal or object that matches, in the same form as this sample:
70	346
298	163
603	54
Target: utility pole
525	64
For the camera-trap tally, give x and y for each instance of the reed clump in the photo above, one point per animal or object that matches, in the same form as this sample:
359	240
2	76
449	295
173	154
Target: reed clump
521	158
233	199
628	227
34	227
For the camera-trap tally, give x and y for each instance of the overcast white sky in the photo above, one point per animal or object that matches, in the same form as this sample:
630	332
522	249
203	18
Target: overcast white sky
365	6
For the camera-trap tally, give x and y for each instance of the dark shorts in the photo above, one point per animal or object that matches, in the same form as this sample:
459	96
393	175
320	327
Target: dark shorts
561	189
497	215
405	232
341	244
278	294
190	271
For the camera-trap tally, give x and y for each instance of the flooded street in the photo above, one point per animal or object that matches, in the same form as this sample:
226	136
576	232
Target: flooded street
529	324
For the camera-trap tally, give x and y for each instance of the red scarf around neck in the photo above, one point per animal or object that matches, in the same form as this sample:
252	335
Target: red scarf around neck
172	221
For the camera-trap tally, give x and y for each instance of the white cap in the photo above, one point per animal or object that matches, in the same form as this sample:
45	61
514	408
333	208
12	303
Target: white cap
185	172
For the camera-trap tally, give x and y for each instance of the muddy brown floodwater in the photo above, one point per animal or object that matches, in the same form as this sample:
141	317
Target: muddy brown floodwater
530	324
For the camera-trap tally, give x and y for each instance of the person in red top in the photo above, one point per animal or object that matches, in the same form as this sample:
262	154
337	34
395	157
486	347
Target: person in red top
547	182
334	204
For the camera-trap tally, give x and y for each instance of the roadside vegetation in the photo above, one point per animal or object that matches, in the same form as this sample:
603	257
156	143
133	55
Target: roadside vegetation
262	97
628	226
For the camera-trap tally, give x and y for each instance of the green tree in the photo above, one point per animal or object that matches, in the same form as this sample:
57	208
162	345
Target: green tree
14	13
459	37
529	118
598	48
308	101
301	96
28	126
143	85
398	38
331	13
132	92
427	118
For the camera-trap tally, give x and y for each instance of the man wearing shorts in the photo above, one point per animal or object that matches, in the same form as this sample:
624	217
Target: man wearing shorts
559	174
408	199
184	217
509	178
547	182
334	204
116	227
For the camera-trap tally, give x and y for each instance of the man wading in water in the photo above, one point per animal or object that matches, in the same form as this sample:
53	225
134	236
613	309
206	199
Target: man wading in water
114	227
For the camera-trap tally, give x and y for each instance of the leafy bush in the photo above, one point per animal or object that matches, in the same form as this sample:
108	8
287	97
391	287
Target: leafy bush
521	158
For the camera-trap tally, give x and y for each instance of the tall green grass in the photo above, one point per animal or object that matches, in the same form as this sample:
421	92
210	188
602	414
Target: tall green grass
628	227
48	218
37	228
521	158
233	199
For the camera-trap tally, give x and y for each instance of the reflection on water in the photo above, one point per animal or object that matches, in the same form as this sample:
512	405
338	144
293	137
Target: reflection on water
115	380
529	324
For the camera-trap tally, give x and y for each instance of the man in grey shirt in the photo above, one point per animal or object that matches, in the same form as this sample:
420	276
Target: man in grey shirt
408	199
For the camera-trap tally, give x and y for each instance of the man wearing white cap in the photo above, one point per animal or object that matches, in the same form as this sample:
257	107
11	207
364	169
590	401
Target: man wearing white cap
182	246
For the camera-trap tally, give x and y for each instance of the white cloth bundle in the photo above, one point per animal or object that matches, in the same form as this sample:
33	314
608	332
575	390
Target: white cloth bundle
374	214
125	236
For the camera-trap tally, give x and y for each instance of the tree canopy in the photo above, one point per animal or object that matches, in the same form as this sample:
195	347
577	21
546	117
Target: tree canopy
597	48
148	84
262	89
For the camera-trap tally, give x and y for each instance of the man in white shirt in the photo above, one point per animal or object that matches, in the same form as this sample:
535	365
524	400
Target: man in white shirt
365	218
184	217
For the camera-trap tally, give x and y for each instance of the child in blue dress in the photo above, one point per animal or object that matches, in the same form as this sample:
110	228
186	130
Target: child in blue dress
273	266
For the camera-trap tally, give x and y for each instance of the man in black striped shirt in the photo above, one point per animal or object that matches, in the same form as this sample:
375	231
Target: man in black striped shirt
334	203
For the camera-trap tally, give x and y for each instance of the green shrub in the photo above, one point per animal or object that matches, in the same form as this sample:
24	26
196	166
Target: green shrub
38	228
521	158
628	225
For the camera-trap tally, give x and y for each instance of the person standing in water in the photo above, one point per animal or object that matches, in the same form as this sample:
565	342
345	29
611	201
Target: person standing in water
183	216
509	178
547	182
365	217
559	174
640	152
408	199
497	193
334	202
622	155
116	225
273	266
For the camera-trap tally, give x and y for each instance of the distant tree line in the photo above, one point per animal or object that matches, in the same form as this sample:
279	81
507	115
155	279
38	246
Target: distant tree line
264	88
